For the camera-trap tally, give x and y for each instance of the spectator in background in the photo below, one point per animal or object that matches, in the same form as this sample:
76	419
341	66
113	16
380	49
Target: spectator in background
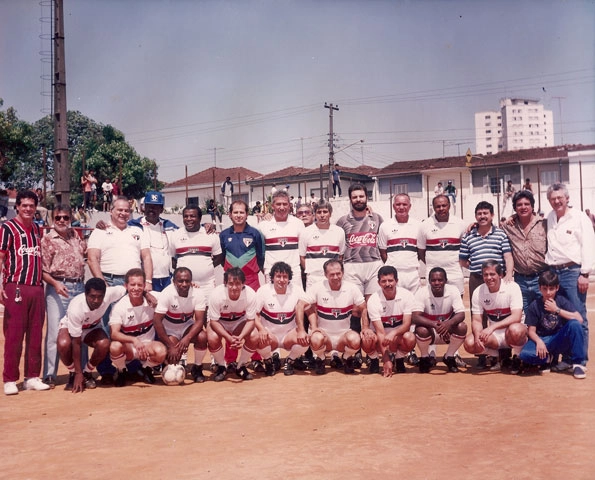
227	191
438	189
80	218
115	188
107	188
87	189
337	180
93	189
38	220
527	185
3	204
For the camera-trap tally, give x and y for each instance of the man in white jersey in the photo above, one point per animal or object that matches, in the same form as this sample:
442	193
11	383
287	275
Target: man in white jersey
330	305
439	318
320	242
179	320
439	241
397	242
389	311
82	323
276	325
502	304
132	332
232	310
195	249
281	234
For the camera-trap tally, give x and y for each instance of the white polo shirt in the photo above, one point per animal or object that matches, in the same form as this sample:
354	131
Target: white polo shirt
120	249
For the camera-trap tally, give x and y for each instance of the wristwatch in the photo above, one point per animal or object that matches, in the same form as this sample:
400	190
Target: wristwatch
586	275
557	312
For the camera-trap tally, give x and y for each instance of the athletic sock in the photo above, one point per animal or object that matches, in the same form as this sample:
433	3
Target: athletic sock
265	352
119	362
218	355
245	355
424	345
297	351
199	355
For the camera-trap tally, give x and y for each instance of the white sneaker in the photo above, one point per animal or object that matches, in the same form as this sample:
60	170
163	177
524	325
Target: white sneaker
10	388
35	383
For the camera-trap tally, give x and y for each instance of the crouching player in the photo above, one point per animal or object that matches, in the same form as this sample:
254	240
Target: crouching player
232	310
179	320
132	332
330	305
554	328
82	323
275	321
502	305
439	318
389	312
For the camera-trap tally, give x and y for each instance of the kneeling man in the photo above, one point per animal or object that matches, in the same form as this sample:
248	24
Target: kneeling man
501	303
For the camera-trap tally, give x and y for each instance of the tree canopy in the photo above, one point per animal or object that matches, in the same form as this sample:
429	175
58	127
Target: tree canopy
100	147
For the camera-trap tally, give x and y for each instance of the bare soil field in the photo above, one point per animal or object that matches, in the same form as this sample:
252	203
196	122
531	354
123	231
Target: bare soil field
472	424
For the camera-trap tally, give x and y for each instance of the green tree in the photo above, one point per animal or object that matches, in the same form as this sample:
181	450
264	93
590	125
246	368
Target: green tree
15	144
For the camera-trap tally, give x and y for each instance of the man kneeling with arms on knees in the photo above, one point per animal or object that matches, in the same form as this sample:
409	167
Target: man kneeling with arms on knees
276	324
502	304
389	312
179	320
82	323
554	328
331	303
132	332
439	318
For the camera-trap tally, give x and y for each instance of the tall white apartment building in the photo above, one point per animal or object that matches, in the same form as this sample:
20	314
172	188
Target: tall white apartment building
520	124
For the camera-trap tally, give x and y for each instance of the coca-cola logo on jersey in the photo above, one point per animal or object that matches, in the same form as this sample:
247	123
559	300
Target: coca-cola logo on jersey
35	251
362	239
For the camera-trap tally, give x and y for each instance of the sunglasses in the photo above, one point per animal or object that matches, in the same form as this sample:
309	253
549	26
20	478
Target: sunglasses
304	212
61	217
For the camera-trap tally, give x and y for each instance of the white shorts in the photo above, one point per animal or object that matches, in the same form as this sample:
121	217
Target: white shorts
313	279
457	282
409	280
86	331
279	331
334	337
500	334
145	342
230	327
364	276
177	330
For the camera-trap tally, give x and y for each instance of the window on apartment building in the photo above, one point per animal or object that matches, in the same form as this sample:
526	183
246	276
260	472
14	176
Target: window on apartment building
487	117
499	124
489	152
488	131
495	185
489	145
499	117
488	124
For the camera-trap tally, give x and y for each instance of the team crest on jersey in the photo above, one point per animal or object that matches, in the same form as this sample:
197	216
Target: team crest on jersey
404	242
440	318
229	239
372	225
392	320
443	242
282	317
325	250
136	237
247	241
336	312
283	241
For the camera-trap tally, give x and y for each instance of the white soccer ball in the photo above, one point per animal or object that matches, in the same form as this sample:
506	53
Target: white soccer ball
173	374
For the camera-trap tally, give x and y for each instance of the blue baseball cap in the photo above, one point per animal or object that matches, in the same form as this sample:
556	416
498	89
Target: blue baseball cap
154	198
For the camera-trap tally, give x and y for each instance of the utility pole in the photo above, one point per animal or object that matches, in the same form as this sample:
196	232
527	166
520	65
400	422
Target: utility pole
61	160
331	151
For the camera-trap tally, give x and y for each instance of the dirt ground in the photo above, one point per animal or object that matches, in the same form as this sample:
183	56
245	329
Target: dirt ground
452	426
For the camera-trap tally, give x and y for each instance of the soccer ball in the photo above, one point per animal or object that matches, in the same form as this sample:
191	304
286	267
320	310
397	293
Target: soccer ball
173	374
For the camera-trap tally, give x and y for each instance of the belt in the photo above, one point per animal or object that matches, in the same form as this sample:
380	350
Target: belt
531	275
562	266
112	276
68	280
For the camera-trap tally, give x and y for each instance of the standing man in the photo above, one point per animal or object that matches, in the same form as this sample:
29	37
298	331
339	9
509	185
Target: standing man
570	252
451	191
197	250
114	251
320	242
485	242
281	234
362	257
439	317
397	242
107	189
501	303
336	180
63	258
242	245
389	311
330	306
227	191
21	294
158	230
526	233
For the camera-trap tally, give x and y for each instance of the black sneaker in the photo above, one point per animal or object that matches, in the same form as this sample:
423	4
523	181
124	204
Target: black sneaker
460	362
289	365
147	374
515	365
425	365
412	358
89	380
358	360
299	364
257	366
320	368
232	367
482	362
276	362
336	362
120	380
349	366
399	365
451	364
243	373
70	384
504	355
107	379
50	381
196	374
220	373
433	361
269	368
374	366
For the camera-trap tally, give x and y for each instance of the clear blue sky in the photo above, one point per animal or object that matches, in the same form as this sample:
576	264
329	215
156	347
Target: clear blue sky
251	77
